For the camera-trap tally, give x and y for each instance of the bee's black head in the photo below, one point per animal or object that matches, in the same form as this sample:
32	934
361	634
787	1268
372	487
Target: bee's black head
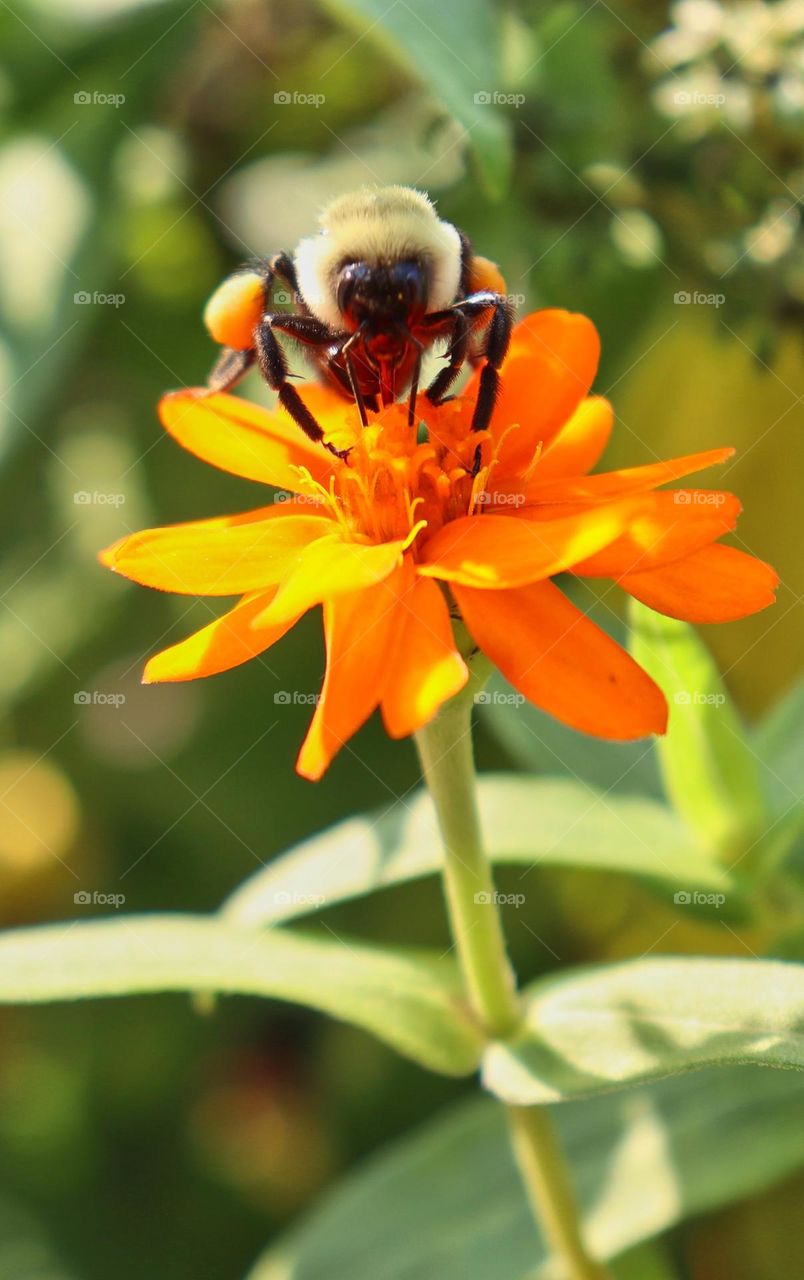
386	294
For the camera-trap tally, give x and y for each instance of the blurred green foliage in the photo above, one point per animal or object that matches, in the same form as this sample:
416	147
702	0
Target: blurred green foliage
145	149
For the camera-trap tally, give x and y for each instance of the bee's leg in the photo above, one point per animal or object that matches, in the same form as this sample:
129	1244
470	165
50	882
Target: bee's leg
469	309
229	368
498	338
354	383
234	311
281	267
414	390
417	373
456	353
304	329
313	333
274	367
356	392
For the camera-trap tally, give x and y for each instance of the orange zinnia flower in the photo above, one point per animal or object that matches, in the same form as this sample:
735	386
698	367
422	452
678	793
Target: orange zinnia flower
400	534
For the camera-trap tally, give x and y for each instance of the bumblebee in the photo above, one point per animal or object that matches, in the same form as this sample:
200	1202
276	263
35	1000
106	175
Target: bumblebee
383	282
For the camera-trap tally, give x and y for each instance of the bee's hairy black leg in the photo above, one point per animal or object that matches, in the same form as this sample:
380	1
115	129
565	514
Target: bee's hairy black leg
305	329
229	368
233	364
283	268
498	339
445	378
274	369
279	268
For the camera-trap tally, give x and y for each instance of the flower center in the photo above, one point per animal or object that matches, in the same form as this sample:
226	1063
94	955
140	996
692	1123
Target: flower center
391	486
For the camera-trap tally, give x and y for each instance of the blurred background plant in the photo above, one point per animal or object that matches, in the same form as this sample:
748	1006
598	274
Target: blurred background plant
642	164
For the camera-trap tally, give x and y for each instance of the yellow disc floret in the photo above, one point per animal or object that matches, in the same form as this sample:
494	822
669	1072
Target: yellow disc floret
392	485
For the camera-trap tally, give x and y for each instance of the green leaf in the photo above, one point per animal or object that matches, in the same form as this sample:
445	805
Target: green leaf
710	772
409	999
526	821
452	47
646	1262
597	1029
447	1202
779	742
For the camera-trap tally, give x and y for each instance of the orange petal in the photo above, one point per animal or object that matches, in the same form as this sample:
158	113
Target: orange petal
225	643
359	629
675	524
578	445
615	484
503	551
331	567
543	499
225	556
425	668
548	371
245	439
560	660
717	584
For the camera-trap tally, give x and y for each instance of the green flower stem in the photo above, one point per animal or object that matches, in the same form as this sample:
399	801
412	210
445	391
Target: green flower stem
445	750
544	1173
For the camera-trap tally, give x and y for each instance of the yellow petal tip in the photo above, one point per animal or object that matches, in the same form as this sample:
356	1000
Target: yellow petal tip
108	556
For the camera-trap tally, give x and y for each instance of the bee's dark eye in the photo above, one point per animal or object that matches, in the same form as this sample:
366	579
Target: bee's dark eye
409	283
348	278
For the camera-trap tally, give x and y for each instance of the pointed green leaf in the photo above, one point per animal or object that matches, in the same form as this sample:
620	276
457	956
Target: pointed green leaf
779	743
453	49
448	1203
526	821
597	1029
409	999
710	772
